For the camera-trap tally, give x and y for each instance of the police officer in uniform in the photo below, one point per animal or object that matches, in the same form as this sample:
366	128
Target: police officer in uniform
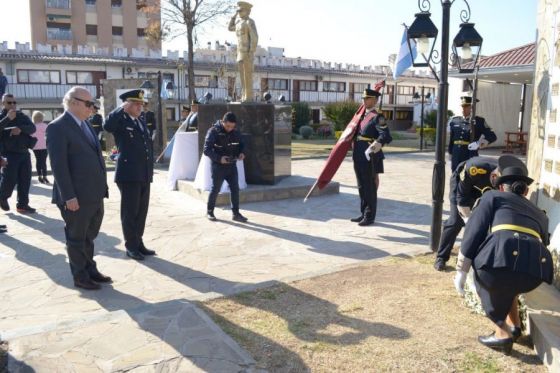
149	117
134	169
371	135
96	121
462	144
505	242
224	146
469	181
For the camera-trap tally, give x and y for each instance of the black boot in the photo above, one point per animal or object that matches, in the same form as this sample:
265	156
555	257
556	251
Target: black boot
210	215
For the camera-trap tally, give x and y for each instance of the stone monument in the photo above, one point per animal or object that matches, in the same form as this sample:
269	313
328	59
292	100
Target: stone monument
247	39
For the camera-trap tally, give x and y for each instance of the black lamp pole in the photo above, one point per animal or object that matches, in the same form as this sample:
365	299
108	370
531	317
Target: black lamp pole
160	132
422	121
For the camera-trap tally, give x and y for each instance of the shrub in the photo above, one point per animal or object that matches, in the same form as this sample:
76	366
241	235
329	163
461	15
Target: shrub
340	113
305	131
300	115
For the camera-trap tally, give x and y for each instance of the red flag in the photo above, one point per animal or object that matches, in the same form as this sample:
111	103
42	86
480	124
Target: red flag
338	152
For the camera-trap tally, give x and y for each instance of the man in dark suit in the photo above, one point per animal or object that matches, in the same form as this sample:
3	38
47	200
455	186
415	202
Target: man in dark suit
149	118
80	184
135	168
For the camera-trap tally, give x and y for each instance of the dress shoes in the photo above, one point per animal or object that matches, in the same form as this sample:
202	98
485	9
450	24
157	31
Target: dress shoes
3	226
46	181
366	221
3	230
99	277
26	210
86	284
4	205
134	255
439	265
210	215
504	345
144	251
239	218
357	219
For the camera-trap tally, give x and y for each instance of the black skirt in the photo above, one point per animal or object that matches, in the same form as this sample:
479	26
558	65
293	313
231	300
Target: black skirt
498	287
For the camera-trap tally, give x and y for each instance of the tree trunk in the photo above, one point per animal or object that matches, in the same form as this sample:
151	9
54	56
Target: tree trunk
190	66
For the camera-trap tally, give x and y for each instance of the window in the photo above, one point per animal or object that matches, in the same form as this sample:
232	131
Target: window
58	31
79	77
334	87
280	84
405	90
90	2
38	76
140	32
117	31
308	85
205	81
170	114
91	29
360	87
58	4
404	115
168	77
116	3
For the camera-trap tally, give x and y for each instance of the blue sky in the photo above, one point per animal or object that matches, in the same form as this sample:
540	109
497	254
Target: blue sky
354	31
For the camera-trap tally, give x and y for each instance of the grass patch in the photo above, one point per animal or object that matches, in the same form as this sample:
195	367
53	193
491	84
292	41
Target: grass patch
397	314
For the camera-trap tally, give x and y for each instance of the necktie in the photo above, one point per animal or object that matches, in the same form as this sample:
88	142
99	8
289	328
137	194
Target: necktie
88	133
139	125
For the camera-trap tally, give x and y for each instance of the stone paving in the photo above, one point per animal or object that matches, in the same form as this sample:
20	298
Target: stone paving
144	321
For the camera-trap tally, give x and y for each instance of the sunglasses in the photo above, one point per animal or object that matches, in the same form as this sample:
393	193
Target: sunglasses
10	102
88	104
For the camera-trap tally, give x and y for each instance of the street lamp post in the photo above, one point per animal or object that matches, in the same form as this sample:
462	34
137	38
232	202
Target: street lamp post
422	31
149	87
423	98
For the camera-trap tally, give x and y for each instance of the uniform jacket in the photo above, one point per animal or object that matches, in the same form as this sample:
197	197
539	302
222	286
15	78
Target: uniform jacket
19	143
472	179
136	158
149	118
219	143
247	37
374	127
78	165
459	129
510	249
96	121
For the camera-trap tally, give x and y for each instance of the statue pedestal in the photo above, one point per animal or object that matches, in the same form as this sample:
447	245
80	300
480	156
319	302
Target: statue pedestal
266	131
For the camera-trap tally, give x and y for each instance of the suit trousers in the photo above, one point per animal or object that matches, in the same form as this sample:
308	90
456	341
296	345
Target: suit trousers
220	173
81	228
452	226
135	199
41	161
18	171
246	76
365	175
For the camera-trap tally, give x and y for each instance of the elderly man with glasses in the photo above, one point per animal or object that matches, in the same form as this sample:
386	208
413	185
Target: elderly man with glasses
80	184
15	142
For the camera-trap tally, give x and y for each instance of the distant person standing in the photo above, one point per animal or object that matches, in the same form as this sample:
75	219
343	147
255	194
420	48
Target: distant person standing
135	169
463	144
224	146
40	148
247	40
96	121
149	117
3	83
80	184
15	138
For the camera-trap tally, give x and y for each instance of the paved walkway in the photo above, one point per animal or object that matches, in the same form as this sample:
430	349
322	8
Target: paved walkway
144	321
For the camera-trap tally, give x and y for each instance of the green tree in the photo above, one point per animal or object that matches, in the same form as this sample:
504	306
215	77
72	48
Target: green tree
301	114
340	113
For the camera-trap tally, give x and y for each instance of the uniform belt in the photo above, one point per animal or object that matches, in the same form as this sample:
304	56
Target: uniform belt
517	228
461	142
365	138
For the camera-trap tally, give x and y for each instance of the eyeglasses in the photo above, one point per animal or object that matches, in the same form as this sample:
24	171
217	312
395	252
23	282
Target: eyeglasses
86	102
10	102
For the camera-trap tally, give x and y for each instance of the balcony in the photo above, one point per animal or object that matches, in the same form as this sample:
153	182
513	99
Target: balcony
48	92
58	4
58	34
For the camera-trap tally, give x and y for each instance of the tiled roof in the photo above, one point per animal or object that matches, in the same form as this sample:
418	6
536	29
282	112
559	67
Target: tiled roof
523	55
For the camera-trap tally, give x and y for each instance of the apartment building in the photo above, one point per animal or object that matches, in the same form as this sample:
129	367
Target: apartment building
111	25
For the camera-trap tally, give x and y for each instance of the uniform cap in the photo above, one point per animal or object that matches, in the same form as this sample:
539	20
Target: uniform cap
514	173
244	5
135	95
186	108
467	100
370	93
195	102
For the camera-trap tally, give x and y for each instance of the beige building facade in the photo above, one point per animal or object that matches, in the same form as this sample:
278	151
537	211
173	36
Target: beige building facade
112	25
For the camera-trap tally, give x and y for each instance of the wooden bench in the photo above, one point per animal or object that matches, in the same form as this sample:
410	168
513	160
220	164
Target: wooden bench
516	140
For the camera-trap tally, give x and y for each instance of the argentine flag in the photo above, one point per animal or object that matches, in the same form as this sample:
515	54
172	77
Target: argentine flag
404	60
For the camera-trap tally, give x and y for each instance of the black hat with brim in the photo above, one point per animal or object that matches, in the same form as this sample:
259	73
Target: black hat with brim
467	100
514	173
370	93
509	160
135	95
186	108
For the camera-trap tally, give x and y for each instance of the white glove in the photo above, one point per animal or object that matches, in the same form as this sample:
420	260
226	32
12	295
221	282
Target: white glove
482	142
473	146
459	282
465	212
373	148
